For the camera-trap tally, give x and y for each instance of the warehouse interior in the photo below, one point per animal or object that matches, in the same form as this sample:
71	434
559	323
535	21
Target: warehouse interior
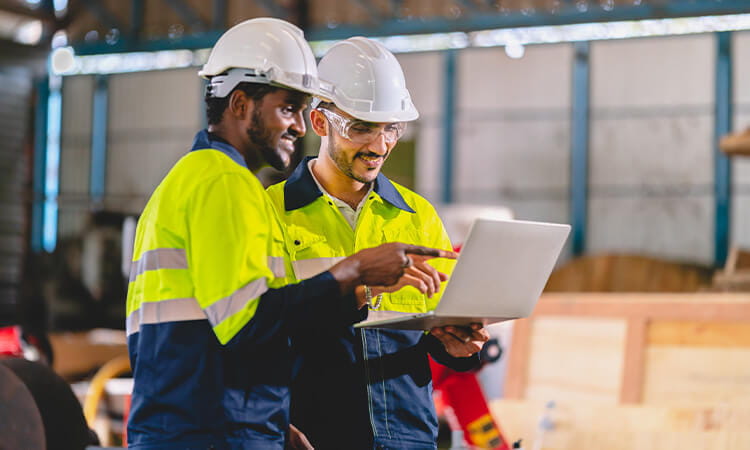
624	118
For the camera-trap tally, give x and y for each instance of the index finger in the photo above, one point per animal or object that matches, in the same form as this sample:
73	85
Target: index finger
427	251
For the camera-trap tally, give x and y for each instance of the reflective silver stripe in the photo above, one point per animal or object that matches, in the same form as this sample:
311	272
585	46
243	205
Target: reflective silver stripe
308	268
159	258
228	306
276	264
175	310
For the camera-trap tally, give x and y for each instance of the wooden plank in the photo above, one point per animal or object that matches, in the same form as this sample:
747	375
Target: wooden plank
78	353
699	334
699	306
633	370
518	360
576	359
697	376
598	427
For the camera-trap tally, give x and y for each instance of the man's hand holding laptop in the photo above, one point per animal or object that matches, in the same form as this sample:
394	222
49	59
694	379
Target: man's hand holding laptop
461	342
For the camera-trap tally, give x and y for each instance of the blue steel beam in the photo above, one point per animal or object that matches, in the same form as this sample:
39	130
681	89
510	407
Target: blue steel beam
722	126
579	147
190	41
449	123
40	164
100	115
187	14
567	14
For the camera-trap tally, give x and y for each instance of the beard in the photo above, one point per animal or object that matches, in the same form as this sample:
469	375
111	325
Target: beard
347	167
265	143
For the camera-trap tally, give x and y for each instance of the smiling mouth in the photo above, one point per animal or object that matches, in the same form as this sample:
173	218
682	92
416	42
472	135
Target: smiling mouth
370	158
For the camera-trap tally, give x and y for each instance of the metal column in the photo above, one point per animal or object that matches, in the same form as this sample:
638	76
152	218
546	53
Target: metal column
722	126
579	147
449	123
40	160
99	116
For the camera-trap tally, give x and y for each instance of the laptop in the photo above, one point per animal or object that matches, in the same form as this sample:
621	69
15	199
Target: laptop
500	274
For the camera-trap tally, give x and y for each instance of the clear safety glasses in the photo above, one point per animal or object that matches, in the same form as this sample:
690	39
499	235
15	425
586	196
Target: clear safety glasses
361	132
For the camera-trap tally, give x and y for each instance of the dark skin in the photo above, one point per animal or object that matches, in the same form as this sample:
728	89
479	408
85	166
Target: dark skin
264	132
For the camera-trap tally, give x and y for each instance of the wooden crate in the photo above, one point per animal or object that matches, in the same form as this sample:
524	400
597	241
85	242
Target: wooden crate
640	371
628	273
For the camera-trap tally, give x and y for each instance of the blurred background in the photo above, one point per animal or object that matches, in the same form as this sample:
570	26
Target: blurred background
624	118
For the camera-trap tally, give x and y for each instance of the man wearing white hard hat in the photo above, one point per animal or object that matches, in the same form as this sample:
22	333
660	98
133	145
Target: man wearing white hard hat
209	308
366	388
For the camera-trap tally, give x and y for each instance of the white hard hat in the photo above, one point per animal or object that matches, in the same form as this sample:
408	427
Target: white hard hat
262	50
365	80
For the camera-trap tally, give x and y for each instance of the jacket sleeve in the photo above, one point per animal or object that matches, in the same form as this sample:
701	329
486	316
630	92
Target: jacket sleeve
227	250
435	348
315	302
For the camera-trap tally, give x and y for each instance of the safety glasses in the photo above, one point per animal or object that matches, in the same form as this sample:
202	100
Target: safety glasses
361	132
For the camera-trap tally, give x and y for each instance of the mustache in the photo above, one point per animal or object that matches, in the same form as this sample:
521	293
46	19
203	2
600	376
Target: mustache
371	155
290	134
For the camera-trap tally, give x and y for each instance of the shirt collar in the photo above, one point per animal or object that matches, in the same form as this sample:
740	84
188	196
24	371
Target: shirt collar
205	140
301	190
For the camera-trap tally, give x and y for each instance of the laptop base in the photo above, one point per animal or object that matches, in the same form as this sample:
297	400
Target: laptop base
428	321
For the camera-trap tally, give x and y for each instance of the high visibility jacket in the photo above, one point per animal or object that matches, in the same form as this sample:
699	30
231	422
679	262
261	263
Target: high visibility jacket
363	388
209	311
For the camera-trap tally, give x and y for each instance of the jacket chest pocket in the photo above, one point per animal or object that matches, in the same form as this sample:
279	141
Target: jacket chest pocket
407	299
311	253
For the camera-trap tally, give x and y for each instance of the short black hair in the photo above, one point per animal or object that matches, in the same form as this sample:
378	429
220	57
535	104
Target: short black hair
215	106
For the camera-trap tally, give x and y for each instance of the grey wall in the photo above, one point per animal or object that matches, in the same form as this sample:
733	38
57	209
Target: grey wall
75	154
152	119
513	130
651	163
741	166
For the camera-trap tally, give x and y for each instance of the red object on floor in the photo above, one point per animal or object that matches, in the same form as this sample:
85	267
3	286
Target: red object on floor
125	416
462	392
10	342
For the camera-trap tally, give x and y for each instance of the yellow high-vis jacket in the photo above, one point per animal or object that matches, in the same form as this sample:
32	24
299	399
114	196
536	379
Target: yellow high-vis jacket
209	308
363	388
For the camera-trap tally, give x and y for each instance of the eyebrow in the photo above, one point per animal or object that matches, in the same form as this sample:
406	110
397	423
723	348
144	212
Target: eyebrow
297	98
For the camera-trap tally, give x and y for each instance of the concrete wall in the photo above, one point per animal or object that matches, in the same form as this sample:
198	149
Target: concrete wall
740	231
651	163
513	145
152	118
75	154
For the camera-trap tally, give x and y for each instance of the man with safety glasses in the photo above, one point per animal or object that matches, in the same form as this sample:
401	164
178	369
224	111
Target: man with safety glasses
365	388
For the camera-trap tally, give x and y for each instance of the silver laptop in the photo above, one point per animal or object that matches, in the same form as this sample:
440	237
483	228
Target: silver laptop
500	274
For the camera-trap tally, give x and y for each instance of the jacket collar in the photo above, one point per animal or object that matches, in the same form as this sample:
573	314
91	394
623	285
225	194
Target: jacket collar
205	140
301	190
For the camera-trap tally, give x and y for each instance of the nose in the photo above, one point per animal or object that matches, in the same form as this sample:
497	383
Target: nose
378	145
299	124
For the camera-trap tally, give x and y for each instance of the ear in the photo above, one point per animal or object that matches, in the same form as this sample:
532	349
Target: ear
239	104
318	122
